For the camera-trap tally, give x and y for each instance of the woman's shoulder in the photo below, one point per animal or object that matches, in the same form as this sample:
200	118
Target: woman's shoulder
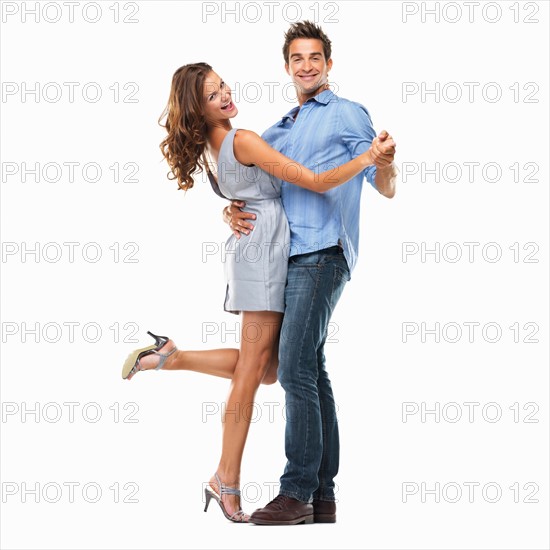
245	143
245	137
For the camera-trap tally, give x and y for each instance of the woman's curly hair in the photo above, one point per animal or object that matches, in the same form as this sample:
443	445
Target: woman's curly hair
185	144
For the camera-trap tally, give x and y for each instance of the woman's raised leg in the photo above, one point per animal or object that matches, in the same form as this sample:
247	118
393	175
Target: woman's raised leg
215	362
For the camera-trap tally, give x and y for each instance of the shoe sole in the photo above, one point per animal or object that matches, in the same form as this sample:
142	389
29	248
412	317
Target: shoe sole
324	518
304	520
131	360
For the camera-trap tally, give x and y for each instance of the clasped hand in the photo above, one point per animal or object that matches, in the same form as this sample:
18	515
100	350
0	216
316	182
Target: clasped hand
383	150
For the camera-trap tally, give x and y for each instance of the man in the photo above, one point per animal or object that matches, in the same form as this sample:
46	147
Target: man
322	131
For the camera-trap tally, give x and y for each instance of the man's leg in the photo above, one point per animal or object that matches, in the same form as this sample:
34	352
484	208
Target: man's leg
315	283
331	440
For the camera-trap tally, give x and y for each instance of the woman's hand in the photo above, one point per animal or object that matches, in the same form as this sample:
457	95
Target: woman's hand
236	218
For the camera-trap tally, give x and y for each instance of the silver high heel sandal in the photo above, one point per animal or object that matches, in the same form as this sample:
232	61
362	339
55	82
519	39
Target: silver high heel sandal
239	516
131	365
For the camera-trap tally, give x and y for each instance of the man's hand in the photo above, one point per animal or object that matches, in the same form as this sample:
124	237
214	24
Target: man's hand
383	150
236	218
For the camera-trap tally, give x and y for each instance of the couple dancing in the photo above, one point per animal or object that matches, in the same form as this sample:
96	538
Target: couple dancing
290	294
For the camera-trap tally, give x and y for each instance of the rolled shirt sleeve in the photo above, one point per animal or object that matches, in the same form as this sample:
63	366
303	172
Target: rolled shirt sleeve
357	132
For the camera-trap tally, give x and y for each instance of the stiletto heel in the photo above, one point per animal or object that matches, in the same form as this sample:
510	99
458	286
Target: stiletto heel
132	365
207	497
239	516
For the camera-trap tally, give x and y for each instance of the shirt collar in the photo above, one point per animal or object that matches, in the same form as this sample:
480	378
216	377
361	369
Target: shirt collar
324	97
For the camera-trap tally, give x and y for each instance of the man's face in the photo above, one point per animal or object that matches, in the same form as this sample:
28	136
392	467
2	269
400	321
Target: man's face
307	65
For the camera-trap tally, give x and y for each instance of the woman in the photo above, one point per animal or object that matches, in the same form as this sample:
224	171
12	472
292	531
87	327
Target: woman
198	120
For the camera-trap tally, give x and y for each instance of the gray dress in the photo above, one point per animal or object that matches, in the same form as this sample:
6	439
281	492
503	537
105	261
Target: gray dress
256	264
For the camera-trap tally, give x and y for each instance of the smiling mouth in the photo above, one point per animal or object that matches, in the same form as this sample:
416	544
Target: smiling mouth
308	76
228	107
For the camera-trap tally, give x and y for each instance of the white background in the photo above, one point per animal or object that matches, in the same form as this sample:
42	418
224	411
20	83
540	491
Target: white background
172	448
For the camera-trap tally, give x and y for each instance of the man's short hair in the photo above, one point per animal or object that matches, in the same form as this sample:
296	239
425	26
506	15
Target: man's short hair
306	29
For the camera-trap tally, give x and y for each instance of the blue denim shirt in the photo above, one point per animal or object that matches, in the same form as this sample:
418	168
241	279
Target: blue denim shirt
328	131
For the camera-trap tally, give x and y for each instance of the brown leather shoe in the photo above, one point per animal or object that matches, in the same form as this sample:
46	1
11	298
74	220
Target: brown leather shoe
283	510
324	511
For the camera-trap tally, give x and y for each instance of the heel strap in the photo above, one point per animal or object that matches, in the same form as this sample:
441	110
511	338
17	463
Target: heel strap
159	340
164	356
224	490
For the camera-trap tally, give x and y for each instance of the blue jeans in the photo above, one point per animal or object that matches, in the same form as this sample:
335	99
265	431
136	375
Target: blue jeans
314	285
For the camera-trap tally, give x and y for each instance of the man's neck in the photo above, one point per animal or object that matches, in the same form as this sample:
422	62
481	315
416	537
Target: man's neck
302	98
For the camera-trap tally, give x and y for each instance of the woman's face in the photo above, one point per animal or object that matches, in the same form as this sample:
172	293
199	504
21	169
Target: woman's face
218	105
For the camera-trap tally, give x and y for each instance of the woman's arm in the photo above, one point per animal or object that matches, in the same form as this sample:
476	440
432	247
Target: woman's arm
250	148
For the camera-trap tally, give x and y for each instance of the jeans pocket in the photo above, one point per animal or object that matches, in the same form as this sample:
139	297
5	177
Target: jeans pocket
311	260
341	267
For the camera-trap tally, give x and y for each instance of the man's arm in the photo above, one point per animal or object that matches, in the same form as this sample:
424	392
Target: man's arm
383	147
358	134
385	180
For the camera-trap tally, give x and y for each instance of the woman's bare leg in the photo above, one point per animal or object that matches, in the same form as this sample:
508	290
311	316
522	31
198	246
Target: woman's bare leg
259	347
215	362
